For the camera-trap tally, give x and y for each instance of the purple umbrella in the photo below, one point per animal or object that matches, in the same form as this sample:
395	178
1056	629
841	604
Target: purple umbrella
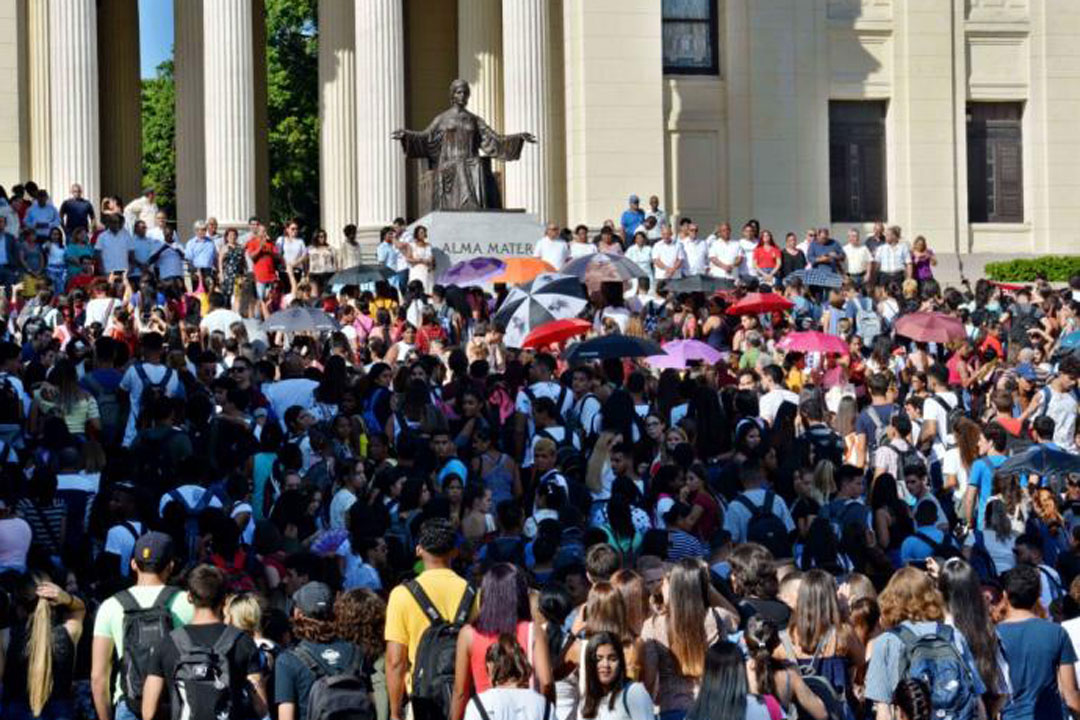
472	271
679	353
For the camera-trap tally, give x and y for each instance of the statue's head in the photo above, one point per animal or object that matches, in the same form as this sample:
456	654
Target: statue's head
459	93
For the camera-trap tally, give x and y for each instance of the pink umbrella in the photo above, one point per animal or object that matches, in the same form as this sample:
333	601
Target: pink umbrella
679	353
813	341
930	327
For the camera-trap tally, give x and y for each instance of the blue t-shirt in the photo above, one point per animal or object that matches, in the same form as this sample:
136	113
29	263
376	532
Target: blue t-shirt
1034	649
982	479
915	549
630	220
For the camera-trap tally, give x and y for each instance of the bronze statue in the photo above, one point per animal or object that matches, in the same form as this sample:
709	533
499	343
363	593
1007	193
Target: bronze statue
459	177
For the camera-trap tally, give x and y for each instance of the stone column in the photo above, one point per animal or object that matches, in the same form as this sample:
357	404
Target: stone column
229	84
121	127
337	117
480	57
190	122
73	86
40	102
380	88
527	90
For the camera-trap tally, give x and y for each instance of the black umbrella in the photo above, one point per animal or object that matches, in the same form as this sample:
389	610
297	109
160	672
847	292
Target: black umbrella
299	318
612	346
1041	460
698	284
361	275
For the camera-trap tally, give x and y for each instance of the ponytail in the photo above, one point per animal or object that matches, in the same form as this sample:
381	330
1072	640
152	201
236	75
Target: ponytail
39	648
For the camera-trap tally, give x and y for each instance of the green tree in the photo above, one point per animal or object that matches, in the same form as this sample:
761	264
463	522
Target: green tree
292	62
159	136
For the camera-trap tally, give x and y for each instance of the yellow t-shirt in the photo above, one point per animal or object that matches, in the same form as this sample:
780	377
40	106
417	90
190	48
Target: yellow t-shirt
406	622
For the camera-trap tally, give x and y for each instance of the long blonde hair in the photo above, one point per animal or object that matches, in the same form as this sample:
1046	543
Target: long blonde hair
39	651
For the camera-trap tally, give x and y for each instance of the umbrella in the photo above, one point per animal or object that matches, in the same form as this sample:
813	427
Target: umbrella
679	353
818	277
612	346
1071	341
472	271
1041	460
547	297
813	341
300	318
698	283
556	331
603	267
930	327
522	270
360	275
758	303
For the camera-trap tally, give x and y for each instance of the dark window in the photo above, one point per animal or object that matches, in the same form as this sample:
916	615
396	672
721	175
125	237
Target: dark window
995	162
689	35
857	161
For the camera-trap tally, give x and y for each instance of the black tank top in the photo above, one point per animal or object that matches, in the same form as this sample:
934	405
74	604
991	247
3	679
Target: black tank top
17	665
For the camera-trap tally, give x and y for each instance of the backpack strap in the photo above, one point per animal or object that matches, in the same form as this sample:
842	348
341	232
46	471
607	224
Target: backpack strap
483	711
465	606
175	495
183	640
934	546
228	638
625	702
748	504
131	529
768	502
302	654
141	372
128	602
422	599
164	598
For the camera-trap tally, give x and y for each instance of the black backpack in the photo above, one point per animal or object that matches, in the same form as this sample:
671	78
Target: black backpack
202	681
143	629
433	672
11	404
952	413
981	561
112	409
338	694
482	711
765	528
152	392
152	460
905	458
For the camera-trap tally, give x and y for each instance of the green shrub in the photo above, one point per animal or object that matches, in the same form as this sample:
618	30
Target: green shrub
1055	268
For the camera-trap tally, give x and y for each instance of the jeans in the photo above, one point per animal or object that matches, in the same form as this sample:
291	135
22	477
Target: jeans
672	715
62	709
123	712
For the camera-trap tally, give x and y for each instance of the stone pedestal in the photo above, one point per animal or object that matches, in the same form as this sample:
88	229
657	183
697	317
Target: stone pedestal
491	233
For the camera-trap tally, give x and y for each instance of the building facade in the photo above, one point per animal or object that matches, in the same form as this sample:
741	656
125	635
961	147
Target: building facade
955	119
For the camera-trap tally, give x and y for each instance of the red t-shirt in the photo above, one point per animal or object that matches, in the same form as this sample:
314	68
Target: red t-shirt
262	258
766	256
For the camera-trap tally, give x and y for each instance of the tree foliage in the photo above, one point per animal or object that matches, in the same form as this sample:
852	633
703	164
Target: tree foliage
159	136
292	62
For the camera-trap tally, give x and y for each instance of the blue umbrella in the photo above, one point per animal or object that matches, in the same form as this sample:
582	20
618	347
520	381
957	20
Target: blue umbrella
1041	460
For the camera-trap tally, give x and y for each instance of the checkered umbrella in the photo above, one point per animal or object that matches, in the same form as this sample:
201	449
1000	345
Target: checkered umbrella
818	277
547	297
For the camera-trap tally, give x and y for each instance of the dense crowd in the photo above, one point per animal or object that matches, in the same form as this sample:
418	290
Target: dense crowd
855	494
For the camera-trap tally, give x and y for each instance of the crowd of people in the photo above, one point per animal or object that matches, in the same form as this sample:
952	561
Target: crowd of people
406	517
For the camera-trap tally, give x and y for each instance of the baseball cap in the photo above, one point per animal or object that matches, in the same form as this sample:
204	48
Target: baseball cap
314	600
635	199
1027	372
153	548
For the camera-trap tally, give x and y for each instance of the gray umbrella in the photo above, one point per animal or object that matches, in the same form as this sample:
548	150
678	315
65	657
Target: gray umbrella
300	318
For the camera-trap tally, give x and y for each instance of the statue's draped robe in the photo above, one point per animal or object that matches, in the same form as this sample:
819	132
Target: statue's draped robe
452	145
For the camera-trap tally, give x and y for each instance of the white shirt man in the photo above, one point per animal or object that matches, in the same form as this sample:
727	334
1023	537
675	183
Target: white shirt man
775	394
551	248
747	268
857	254
697	254
114	246
157	232
893	257
934	409
725	256
141	208
641	254
669	257
133	384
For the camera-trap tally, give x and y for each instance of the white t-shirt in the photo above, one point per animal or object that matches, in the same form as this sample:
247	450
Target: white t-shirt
933	410
697	255
283	394
748	267
641	255
220	320
858	258
508	704
951	464
581	249
549	389
669	253
771	401
339	509
293	250
1062	410
99	310
726	252
553	252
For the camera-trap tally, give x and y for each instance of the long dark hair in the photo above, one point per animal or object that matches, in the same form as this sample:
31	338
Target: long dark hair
762	638
962	590
594	689
504	595
723	687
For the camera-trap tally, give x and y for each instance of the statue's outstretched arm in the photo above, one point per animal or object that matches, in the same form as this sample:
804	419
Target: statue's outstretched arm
502	147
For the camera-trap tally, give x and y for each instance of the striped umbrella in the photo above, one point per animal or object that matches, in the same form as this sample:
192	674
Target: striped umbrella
547	297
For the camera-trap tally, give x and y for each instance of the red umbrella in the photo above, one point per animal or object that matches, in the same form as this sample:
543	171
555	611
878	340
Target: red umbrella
813	341
758	303
555	331
930	327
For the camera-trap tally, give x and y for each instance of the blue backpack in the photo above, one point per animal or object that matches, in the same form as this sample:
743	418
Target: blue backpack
934	659
981	561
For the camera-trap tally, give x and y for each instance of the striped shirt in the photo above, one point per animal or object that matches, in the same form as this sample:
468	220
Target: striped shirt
45	523
893	258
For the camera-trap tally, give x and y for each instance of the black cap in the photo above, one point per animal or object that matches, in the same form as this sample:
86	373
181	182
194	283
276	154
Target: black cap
315	600
153	548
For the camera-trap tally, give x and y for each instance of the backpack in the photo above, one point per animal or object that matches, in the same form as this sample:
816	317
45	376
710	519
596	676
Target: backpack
867	322
1056	590
881	435
905	458
239	577
952	414
143	629
568	457
938	549
764	527
482	711
111	408
152	392
934	659
152	465
202	683
828	694
559	401
191	524
981	561
586	436
11	404
344	695
433	671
